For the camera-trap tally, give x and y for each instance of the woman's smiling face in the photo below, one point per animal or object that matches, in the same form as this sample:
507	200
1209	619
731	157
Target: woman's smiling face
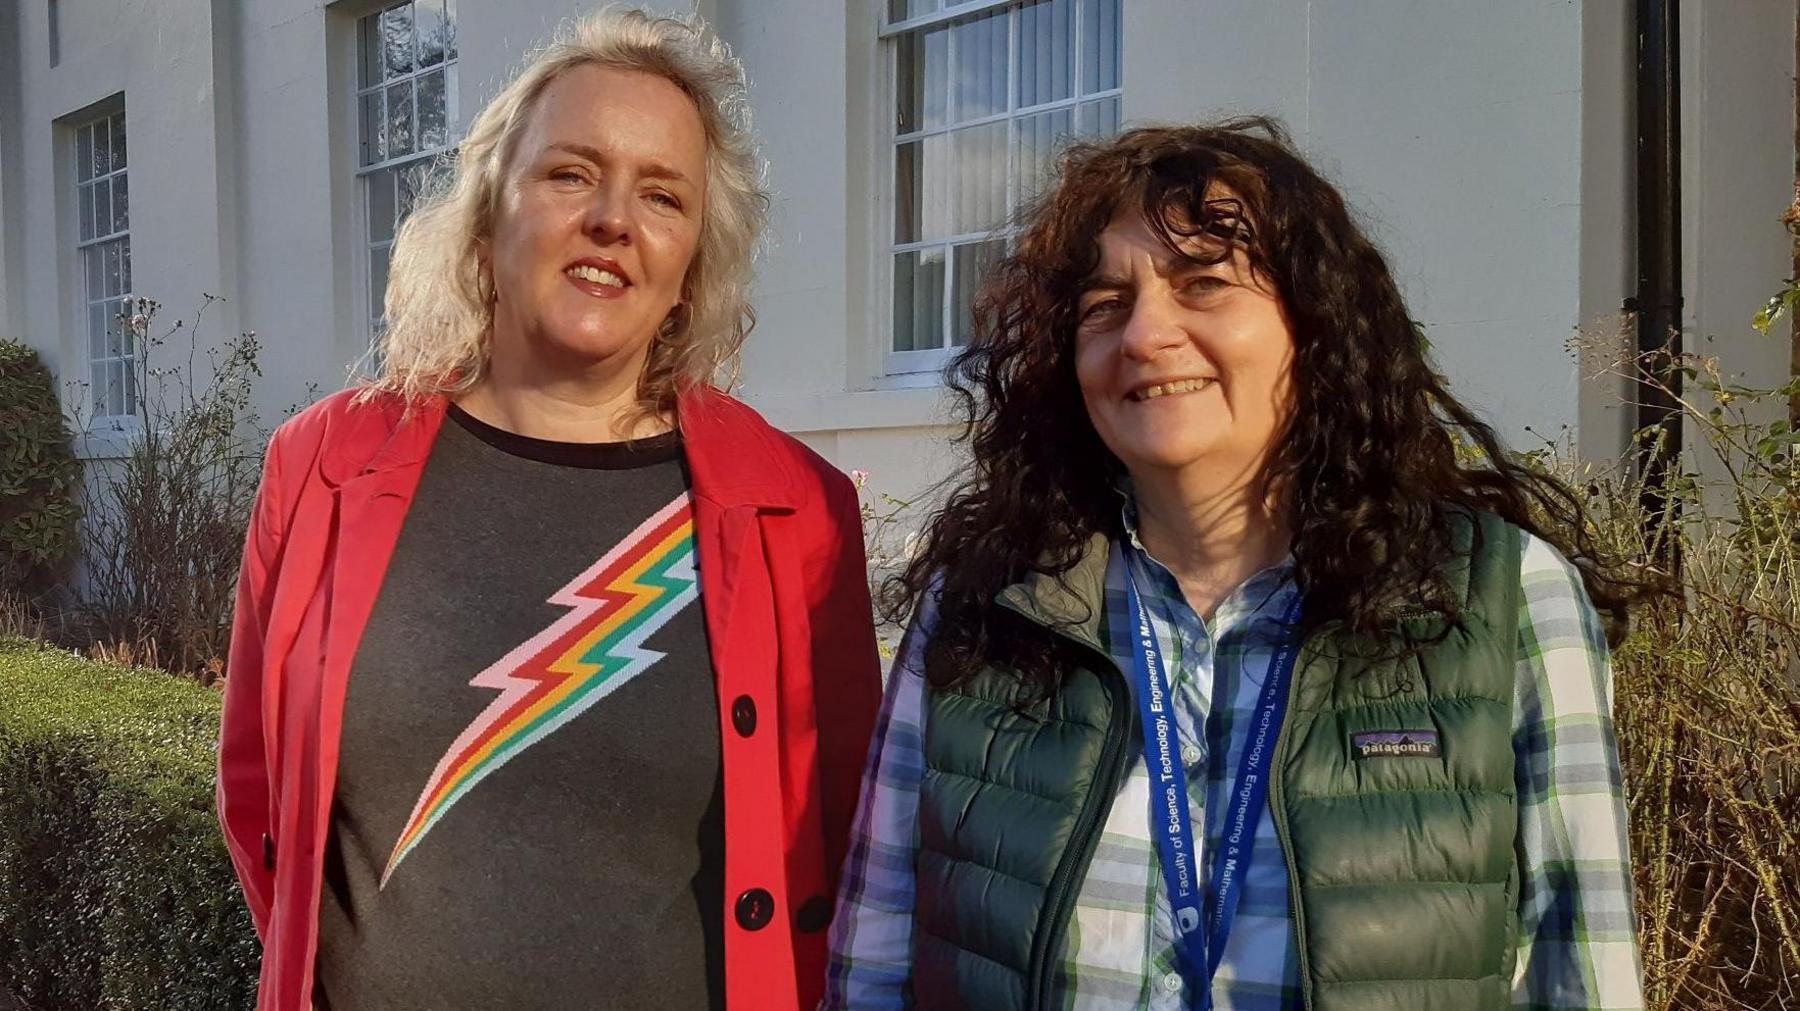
1182	363
598	218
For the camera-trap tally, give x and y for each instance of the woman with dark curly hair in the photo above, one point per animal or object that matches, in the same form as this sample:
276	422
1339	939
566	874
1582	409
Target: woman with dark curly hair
1245	671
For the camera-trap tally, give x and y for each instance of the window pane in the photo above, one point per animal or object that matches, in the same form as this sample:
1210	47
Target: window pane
368	51
381	205
934	188
406	186
1097	119
980	160
118	142
84	153
106	215
128	342
901	10
128	339
430	15
924	80
128	388
133	339
1099	45
115	389
125	266
1034	152
84	199
114	348
103	207
96	327
450	104
96	273
973	262
978	83
432	129
102	149
400	119
922	208
907	212
112	271
378	272
918	300
1046	52
121	204
397	40
449	29
374	128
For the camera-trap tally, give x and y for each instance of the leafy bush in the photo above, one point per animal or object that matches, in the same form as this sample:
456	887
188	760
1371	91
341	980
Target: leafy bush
165	524
37	473
1707	696
116	892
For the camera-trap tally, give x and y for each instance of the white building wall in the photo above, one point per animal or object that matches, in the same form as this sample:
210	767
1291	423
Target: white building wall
812	365
1486	146
159	57
1738	169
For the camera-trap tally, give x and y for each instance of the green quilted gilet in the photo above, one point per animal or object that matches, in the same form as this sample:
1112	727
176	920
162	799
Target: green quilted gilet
1402	872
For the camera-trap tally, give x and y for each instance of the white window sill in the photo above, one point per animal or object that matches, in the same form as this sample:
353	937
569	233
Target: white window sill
106	439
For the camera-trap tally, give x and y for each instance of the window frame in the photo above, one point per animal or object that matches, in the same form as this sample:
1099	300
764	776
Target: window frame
418	163
114	334
924	366
949	10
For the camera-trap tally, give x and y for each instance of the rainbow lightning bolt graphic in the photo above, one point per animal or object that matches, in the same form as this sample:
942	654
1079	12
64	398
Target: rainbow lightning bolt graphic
562	671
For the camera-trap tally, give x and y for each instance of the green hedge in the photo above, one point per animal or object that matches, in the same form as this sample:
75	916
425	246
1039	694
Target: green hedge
116	893
37	473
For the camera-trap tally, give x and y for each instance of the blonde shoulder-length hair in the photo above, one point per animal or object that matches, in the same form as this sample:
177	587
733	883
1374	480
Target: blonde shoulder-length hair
439	304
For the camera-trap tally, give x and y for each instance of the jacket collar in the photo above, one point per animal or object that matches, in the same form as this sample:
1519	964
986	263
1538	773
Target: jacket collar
734	455
379	434
1072	604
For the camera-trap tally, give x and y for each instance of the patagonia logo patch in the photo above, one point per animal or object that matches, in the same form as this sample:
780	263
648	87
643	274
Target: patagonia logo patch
1396	744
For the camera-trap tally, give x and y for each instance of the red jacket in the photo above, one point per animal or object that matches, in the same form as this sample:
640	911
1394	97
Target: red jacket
777	531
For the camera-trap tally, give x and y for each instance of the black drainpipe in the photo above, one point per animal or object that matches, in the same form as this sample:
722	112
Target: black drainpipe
1658	302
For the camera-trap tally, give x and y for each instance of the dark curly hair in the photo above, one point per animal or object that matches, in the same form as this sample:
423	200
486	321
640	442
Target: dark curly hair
1369	460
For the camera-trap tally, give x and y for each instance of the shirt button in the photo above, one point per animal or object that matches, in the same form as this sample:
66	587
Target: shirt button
755	908
743	715
814	915
1172	982
1190	754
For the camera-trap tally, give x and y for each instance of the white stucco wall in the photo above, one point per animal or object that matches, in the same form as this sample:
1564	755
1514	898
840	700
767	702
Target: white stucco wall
1453	129
1737	179
159	56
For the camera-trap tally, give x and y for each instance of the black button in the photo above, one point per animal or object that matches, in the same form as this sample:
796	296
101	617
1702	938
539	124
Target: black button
755	908
743	715
814	915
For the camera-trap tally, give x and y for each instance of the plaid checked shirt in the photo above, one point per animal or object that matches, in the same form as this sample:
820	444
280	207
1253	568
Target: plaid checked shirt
1577	947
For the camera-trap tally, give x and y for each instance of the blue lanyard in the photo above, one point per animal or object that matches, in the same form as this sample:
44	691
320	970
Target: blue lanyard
1174	832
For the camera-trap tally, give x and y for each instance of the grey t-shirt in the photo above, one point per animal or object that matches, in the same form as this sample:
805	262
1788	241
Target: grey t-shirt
529	810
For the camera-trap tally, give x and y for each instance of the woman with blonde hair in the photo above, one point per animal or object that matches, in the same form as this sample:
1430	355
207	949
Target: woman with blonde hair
553	664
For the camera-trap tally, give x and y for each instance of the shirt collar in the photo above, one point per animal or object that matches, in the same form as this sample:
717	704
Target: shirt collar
1264	595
